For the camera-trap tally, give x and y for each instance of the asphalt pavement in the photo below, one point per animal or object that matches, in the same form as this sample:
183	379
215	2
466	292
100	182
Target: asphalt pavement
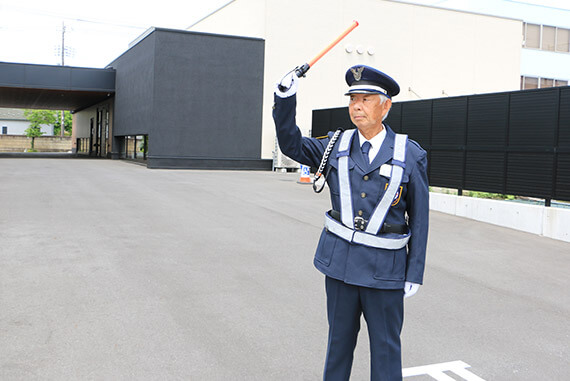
112	271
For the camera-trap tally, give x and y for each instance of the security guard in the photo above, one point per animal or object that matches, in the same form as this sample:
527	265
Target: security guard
373	246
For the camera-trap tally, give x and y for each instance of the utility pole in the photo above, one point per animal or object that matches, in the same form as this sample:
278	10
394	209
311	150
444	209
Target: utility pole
62	43
62	125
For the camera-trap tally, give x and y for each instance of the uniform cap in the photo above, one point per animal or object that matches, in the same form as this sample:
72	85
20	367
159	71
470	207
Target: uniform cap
363	79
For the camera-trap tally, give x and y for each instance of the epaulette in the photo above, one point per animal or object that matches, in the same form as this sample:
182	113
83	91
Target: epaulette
416	144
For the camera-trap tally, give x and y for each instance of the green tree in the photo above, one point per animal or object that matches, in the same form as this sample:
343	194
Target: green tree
67	122
37	118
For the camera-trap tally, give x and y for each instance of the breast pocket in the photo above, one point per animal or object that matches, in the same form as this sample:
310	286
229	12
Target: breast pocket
400	192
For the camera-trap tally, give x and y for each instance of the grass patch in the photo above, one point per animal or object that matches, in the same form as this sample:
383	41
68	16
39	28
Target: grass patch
476	194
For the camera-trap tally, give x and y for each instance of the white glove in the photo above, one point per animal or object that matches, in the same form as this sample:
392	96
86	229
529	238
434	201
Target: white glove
410	289
288	84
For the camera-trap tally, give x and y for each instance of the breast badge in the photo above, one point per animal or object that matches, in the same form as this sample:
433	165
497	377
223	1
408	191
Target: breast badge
397	196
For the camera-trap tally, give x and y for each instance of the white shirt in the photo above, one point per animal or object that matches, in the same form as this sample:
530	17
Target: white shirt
375	142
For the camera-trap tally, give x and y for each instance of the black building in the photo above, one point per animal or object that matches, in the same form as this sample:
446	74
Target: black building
195	98
174	99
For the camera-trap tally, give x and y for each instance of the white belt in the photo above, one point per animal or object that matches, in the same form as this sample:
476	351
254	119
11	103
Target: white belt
364	238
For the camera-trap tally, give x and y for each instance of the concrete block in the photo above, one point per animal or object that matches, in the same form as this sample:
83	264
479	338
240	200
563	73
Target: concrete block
509	214
556	223
445	203
548	221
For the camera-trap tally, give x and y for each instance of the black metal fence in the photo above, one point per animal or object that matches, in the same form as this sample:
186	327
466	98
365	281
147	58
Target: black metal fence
511	143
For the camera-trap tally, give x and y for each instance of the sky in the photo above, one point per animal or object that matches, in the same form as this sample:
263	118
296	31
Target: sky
97	32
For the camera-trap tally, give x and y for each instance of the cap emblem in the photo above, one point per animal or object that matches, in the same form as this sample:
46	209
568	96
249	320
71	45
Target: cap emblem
357	72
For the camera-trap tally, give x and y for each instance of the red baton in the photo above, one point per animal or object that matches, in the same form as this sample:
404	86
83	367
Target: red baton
300	71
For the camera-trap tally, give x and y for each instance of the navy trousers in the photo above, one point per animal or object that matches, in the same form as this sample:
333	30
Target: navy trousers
384	313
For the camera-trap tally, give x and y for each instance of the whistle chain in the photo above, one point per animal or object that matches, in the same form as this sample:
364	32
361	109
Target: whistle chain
324	161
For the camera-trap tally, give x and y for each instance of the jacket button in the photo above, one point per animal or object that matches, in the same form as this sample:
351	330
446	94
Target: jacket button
360	213
365	177
363	195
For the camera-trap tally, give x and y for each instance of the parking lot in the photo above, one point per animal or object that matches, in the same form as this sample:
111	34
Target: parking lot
110	270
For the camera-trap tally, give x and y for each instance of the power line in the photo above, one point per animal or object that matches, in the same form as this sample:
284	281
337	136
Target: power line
62	16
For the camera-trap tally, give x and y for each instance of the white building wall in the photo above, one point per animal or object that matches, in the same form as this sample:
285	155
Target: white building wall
543	64
534	62
434	52
46	129
82	122
15	127
19	127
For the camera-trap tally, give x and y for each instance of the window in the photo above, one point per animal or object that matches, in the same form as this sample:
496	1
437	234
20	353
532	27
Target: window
532	36
562	40
536	83
4	130
135	147
546	82
530	83
548	38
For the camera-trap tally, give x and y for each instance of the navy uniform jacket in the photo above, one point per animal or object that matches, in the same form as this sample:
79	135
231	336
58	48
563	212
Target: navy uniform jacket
353	263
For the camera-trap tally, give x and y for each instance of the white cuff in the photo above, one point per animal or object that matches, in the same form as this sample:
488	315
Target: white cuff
410	289
289	85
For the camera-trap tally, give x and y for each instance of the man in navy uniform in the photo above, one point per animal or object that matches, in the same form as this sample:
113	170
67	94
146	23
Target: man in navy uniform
373	246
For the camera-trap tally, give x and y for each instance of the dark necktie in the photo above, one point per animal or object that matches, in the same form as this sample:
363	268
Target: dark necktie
365	149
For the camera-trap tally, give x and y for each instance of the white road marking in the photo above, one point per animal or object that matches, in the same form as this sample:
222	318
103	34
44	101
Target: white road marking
436	371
